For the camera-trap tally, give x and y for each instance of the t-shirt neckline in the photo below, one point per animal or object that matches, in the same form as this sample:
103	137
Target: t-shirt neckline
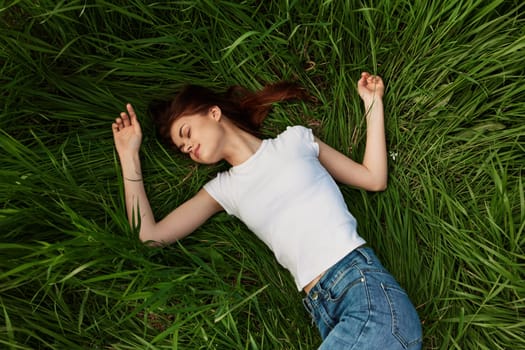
246	164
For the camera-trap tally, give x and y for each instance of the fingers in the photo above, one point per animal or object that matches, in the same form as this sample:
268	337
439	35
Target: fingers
368	79
364	76
373	79
115	127
130	117
131	112
125	119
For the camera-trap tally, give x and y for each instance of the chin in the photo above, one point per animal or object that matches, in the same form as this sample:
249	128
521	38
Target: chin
205	158
205	161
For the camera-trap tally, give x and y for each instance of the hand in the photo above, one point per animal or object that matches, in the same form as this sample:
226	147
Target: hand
370	87
127	132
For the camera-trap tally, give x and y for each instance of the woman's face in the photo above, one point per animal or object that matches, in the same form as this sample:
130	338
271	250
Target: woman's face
201	136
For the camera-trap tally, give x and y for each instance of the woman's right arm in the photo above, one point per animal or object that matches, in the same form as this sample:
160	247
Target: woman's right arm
180	222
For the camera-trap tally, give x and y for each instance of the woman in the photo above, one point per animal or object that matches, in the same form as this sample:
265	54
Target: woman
284	191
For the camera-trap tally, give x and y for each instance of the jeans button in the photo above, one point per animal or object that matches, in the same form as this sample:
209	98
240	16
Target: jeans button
315	295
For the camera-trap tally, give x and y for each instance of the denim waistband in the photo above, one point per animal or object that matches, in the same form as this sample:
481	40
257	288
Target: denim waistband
364	253
359	303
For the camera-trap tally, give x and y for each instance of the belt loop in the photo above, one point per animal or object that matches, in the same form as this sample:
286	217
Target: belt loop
308	307
363	252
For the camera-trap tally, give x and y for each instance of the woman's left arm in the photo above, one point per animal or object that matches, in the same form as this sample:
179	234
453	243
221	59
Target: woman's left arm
372	173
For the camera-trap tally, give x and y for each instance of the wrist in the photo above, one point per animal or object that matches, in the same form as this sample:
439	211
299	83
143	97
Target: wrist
130	164
138	179
127	157
372	101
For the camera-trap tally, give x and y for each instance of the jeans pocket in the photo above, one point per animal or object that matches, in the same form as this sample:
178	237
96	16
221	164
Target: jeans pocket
343	282
406	326
348	301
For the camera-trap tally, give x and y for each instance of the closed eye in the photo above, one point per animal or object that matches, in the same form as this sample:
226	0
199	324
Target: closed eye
184	129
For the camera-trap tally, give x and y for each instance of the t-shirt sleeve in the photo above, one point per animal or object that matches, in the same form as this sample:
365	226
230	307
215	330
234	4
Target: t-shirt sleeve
303	138
219	188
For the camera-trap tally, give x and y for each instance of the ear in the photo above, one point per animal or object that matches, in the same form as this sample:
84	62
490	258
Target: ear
215	113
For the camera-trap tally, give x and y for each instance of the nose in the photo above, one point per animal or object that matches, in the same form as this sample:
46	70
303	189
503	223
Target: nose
188	148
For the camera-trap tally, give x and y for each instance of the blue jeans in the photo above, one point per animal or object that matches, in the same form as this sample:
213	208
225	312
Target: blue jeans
358	304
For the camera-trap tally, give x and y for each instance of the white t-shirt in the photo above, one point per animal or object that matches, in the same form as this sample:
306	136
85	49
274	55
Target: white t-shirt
290	201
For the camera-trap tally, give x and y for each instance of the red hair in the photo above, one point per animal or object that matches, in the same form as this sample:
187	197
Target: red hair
244	108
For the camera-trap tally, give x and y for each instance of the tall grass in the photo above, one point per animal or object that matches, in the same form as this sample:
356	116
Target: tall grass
450	226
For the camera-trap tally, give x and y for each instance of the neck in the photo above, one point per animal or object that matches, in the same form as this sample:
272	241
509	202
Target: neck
240	145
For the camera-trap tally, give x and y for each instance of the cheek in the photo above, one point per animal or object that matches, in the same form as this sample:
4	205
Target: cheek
214	134
213	142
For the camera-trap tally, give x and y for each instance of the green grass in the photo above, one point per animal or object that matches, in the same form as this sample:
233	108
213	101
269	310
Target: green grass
450	226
